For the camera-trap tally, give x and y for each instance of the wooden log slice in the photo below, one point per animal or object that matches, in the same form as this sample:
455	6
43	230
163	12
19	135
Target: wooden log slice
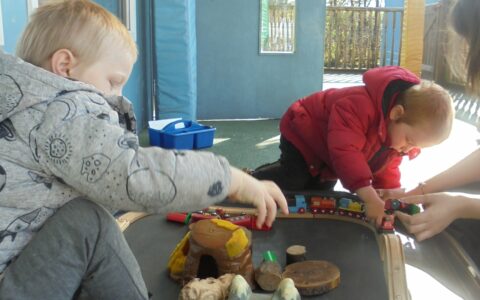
268	275
313	277
296	253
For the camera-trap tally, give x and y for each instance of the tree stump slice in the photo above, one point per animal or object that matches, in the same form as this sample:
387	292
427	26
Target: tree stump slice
313	277
296	253
268	275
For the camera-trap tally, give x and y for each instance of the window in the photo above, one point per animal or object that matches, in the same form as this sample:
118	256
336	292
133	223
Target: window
277	26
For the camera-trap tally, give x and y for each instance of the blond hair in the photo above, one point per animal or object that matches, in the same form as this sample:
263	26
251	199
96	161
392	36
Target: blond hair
430	106
81	26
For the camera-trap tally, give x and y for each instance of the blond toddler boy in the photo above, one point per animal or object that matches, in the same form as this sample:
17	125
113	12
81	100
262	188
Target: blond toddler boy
69	153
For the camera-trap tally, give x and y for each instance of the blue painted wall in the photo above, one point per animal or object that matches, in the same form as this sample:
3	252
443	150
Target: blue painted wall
175	53
234	80
15	18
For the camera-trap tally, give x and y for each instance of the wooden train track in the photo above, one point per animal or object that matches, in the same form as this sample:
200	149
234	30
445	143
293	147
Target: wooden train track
128	218
390	246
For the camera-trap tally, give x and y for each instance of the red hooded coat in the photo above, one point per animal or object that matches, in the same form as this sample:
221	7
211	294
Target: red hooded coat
342	133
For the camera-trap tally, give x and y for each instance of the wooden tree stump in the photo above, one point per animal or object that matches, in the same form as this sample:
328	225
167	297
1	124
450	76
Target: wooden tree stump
313	277
268	275
296	253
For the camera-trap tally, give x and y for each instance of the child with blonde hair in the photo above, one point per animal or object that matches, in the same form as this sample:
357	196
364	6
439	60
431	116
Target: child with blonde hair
360	135
69	153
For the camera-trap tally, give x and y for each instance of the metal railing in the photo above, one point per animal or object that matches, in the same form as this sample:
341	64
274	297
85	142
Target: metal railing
358	38
278	29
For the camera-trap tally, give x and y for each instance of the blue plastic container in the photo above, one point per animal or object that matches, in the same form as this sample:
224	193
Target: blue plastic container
191	136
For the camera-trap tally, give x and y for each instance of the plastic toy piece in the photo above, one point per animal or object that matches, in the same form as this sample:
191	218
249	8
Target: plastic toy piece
247	221
182	134
179	217
244	220
342	206
350	208
322	205
300	204
386	226
392	205
269	256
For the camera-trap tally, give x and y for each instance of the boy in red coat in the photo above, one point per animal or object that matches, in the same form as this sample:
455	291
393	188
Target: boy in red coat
360	135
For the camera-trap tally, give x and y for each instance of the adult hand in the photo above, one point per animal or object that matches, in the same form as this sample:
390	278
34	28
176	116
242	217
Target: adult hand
264	195
440	210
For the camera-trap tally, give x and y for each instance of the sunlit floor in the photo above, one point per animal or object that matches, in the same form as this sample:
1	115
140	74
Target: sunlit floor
422	285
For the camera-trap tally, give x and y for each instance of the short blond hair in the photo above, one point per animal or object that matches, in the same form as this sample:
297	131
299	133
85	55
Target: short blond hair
430	106
81	26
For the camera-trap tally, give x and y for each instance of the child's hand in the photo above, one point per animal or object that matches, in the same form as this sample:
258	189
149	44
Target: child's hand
374	206
264	195
386	194
375	211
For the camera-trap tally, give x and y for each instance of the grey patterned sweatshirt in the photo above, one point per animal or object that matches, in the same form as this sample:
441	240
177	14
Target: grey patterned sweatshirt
61	139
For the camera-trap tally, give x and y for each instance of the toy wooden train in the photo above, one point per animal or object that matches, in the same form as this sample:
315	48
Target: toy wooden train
318	203
327	204
248	221
345	204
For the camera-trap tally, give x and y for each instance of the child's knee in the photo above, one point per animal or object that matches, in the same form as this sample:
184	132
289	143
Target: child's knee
88	216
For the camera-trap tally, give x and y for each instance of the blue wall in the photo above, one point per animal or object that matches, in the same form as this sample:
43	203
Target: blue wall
175	54
14	20
234	80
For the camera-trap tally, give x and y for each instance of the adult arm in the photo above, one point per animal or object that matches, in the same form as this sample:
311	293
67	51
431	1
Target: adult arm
463	172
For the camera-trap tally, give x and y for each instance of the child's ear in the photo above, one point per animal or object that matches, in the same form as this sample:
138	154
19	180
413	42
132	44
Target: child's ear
62	62
396	112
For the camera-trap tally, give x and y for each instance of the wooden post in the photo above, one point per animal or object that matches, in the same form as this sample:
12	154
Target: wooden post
269	274
412	35
296	253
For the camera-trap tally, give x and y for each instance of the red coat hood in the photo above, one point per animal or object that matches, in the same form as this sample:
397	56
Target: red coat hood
383	83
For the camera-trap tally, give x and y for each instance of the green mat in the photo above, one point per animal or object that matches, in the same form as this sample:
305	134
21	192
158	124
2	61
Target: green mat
246	144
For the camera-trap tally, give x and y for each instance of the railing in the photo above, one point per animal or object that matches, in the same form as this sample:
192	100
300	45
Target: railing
278	34
361	38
